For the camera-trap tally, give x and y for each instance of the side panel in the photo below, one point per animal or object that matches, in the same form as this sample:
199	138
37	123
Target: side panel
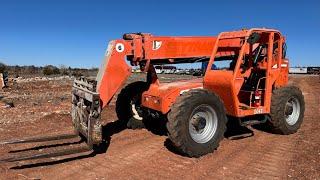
282	80
221	82
178	47
160	97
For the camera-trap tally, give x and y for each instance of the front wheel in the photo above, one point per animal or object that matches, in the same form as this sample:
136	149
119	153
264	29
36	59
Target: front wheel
128	105
287	110
197	122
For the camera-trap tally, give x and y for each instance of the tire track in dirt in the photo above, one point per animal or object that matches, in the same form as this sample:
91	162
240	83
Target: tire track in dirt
250	160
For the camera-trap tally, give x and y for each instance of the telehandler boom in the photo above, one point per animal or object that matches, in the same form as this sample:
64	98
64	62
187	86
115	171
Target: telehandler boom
252	87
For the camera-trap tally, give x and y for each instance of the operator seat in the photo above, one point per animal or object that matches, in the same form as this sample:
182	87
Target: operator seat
252	81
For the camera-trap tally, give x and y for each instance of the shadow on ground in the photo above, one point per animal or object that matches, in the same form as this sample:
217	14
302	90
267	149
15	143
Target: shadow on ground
108	130
156	127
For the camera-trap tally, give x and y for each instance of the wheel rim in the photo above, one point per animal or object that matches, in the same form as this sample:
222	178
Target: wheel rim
203	124
292	111
135	112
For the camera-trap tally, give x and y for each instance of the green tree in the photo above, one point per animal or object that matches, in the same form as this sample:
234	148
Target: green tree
50	70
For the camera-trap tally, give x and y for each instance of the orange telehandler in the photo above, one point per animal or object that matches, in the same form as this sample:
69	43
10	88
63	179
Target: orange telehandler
252	88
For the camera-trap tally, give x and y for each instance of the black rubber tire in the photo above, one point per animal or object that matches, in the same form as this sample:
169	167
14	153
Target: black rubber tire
277	110
123	104
178	122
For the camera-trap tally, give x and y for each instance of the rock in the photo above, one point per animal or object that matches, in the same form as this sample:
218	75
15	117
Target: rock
9	105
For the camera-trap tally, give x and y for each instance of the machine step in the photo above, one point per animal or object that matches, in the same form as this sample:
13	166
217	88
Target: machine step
251	122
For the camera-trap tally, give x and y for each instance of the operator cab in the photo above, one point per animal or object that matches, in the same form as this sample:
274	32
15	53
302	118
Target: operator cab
243	83
254	69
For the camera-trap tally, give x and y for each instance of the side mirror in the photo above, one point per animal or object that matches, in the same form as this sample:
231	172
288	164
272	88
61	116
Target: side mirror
253	38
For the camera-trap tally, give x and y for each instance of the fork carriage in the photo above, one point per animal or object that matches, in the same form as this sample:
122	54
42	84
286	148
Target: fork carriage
86	110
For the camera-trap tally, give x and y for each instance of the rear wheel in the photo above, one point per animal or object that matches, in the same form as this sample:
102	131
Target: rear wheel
197	122
128	104
287	110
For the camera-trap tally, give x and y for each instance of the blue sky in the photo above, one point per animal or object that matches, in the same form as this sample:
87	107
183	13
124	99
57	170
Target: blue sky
76	32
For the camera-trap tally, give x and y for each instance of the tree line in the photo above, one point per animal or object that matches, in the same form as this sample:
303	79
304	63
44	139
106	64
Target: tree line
48	70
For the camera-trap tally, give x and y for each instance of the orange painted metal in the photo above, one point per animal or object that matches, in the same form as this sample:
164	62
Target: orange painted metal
114	71
160	97
179	47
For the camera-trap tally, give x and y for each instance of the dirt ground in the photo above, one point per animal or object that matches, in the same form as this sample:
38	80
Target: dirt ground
43	107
